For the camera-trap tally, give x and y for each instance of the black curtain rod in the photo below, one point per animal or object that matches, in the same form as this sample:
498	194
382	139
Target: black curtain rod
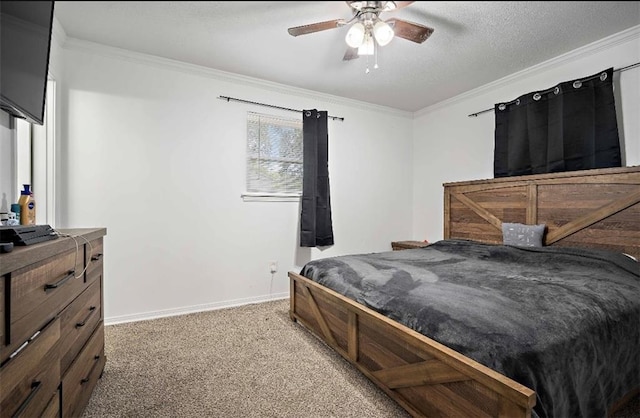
272	106
473	115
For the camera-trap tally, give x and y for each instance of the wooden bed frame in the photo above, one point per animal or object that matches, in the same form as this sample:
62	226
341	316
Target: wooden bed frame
592	208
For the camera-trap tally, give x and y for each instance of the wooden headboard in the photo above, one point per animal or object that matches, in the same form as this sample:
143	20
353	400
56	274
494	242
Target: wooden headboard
597	208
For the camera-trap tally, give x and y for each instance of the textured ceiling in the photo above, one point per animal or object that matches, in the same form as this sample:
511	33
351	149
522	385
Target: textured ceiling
474	43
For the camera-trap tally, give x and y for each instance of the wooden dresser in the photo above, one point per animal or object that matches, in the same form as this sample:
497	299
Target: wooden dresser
51	325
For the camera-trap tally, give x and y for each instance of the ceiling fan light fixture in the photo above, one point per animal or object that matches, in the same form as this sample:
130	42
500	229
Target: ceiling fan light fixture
367	31
356	35
383	33
367	47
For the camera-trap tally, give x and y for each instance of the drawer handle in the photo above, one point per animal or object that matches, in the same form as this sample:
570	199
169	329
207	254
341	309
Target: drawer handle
96	257
86	379
70	275
84	321
35	386
30	340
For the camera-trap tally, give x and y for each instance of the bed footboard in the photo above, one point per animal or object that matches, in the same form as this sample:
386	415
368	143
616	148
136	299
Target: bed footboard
425	377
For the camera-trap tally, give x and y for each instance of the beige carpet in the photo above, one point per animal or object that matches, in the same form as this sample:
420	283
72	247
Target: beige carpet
249	361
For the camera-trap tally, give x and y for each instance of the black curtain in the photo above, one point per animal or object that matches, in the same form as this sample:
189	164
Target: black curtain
569	127
316	229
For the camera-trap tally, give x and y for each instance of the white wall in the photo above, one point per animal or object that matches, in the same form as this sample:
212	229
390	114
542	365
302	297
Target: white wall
148	151
450	146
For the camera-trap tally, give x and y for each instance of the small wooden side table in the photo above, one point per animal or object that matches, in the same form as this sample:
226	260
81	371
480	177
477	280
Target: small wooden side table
407	245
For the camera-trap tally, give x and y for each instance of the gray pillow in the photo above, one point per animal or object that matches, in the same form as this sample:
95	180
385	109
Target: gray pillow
522	235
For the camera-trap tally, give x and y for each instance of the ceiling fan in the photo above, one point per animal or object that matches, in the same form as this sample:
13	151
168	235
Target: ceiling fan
367	27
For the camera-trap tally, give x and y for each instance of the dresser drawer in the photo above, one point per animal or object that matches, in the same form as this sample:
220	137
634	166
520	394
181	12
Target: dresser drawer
83	374
38	294
52	410
31	377
94	256
77	322
3	318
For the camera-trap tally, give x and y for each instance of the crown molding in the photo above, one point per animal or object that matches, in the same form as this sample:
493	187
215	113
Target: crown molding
58	34
58	38
627	35
166	63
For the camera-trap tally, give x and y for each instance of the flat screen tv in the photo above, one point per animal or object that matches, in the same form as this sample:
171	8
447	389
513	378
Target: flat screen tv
25	43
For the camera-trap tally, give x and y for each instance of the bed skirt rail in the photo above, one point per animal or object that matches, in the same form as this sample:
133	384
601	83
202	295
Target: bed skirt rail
425	377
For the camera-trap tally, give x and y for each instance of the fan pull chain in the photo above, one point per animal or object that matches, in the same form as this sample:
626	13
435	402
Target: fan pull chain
375	55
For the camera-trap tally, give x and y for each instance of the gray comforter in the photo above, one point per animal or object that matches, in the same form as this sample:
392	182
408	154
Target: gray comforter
564	322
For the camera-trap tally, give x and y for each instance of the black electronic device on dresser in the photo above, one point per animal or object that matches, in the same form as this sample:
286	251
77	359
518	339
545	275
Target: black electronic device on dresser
27	234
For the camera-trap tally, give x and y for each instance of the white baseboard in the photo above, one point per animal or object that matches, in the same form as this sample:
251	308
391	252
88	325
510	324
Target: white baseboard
193	309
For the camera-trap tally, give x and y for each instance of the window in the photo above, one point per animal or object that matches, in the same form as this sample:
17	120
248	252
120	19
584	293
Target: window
274	156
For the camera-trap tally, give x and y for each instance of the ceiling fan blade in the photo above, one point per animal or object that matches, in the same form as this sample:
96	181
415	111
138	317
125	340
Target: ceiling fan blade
316	27
350	54
410	31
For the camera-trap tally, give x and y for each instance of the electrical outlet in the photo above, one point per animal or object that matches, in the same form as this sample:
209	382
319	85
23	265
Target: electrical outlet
273	266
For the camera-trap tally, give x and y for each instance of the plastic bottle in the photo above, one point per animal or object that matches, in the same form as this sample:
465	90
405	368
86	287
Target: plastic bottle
24	198
12	221
31	209
27	206
15	208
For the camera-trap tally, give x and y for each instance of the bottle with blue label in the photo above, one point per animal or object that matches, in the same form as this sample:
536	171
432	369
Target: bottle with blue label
27	206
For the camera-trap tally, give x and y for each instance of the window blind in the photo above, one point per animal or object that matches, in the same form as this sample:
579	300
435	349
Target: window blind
274	154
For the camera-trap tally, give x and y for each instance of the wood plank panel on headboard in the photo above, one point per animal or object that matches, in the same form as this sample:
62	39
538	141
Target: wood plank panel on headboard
589	209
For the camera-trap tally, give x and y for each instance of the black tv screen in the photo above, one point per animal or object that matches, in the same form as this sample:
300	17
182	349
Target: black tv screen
25	42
